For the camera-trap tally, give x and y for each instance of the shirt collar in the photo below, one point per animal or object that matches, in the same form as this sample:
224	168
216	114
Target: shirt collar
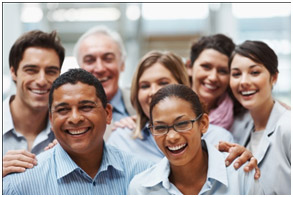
8	121
64	164
216	169
110	159
7	118
117	102
159	174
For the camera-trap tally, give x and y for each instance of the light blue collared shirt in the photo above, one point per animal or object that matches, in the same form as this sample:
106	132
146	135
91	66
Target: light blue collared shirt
147	147
57	174
220	179
13	140
119	109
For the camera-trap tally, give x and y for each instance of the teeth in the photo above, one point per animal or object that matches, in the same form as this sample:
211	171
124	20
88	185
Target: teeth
77	131
248	92
40	91
174	148
210	86
103	79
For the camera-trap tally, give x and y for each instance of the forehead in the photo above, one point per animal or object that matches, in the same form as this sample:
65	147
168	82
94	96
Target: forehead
171	106
213	56
99	43
73	93
240	61
40	56
156	71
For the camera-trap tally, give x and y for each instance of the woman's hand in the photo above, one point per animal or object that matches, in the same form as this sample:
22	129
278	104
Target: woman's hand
129	122
243	155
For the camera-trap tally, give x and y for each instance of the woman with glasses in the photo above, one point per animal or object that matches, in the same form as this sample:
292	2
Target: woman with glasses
156	70
191	166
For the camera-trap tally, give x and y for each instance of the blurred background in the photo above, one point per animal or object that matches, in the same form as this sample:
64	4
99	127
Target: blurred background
147	26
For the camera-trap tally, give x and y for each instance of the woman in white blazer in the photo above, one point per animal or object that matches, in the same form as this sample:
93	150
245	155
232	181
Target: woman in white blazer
254	71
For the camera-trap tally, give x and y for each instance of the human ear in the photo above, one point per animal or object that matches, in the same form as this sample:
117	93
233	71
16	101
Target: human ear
188	67
13	73
109	113
204	123
274	78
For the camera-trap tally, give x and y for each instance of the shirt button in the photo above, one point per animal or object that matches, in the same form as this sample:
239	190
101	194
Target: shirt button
94	183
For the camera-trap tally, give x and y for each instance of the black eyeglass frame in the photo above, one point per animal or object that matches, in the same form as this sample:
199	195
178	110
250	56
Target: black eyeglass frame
172	126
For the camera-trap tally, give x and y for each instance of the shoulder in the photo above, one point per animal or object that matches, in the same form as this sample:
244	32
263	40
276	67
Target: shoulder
215	134
20	182
145	182
120	137
129	161
280	121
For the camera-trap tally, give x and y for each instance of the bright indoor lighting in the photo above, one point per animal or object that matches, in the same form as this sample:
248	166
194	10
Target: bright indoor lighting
261	10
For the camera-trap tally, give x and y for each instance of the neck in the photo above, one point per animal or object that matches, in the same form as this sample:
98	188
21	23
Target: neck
261	114
189	179
90	162
28	121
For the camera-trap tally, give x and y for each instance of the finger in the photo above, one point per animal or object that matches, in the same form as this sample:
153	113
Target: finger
253	165
224	146
19	157
12	169
234	152
118	125
21	152
51	145
55	141
17	163
131	124
243	158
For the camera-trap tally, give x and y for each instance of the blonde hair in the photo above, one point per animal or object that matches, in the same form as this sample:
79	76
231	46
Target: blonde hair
170	61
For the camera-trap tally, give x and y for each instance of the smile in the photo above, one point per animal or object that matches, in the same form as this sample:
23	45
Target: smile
104	79
177	148
211	87
248	93
77	131
40	92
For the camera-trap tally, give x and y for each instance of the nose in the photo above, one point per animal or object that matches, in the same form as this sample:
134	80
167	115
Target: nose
172	135
213	76
99	66
154	88
244	81
75	117
41	79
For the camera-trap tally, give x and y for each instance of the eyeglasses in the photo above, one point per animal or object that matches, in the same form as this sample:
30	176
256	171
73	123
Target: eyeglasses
178	127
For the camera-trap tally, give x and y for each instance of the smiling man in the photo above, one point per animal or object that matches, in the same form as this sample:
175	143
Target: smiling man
101	52
35	61
81	164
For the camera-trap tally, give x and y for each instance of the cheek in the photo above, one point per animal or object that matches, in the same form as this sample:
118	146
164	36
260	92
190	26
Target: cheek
159	141
224	81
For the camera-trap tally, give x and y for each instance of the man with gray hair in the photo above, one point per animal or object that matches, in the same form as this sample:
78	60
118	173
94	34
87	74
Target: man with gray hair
101	52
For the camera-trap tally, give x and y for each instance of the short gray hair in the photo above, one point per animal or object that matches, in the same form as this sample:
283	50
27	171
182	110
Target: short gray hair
101	29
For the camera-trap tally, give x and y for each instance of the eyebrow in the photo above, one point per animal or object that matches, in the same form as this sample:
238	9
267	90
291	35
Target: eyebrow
251	66
30	66
162	122
35	66
62	104
87	102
